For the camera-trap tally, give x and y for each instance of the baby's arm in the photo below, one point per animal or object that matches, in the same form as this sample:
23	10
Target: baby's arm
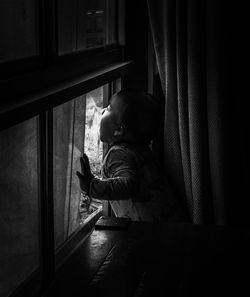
122	181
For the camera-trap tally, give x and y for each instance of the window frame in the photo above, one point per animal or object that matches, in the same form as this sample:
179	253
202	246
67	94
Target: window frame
49	81
42	105
48	43
52	259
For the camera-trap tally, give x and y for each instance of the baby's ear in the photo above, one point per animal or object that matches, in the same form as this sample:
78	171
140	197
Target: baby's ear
119	131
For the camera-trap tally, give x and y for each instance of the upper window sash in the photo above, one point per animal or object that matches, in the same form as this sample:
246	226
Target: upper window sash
61	29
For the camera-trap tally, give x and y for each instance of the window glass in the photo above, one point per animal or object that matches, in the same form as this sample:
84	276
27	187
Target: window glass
76	130
85	24
19	33
93	148
19	207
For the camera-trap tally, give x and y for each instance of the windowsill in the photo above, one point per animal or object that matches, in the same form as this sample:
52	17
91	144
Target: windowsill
75	240
91	216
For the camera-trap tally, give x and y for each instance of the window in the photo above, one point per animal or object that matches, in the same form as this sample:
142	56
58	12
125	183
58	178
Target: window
76	130
48	112
93	147
18	29
19	205
85	24
26	184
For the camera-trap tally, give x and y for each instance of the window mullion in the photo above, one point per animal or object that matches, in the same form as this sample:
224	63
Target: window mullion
46	197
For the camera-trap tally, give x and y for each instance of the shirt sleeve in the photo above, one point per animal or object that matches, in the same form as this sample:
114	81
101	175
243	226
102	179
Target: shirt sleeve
121	183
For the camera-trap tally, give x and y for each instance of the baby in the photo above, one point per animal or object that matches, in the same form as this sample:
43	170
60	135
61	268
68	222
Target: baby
130	178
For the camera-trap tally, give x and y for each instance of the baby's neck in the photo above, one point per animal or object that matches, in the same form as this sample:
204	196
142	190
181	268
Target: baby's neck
129	144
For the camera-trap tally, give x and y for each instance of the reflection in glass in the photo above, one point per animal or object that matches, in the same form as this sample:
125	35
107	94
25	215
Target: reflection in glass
93	148
19	214
85	24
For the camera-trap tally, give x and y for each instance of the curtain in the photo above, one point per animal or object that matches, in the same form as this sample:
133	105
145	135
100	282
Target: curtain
199	51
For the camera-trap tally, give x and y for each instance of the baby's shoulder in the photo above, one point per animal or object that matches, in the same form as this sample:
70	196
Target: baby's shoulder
118	157
120	150
120	153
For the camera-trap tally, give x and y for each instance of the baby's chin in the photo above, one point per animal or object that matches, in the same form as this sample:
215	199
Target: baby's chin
111	140
104	140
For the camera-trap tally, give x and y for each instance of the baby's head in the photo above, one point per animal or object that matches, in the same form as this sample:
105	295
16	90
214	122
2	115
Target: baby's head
131	117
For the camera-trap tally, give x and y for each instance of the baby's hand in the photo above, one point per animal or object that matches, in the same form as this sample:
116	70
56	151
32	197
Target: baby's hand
85	176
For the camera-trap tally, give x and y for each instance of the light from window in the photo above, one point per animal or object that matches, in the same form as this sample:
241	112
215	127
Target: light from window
76	130
93	148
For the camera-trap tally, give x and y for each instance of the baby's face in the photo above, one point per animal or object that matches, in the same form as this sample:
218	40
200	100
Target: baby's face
110	126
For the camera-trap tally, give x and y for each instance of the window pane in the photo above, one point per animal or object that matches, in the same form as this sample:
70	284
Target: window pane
19	33
19	215
85	24
75	131
92	147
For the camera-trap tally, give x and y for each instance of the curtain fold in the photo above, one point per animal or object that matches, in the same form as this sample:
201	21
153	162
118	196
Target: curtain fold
198	52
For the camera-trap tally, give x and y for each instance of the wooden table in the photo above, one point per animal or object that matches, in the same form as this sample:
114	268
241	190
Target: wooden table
156	259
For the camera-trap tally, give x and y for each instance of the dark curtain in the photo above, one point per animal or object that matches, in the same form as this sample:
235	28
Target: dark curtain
200	51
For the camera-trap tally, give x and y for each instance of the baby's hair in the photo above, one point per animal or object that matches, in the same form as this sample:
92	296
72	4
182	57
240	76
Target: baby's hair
141	115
